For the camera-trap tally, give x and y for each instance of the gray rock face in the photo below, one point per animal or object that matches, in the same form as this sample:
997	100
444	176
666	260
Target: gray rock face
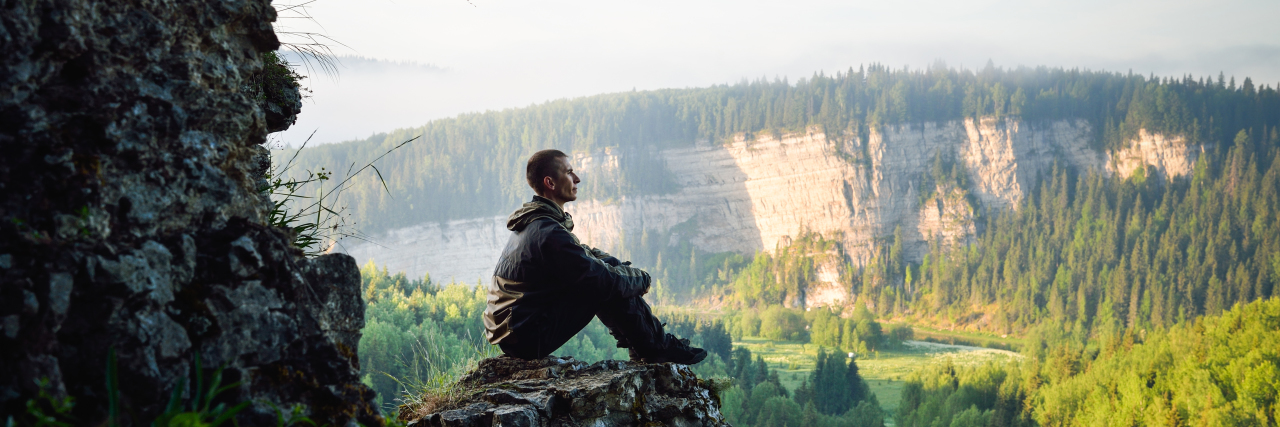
131	219
556	391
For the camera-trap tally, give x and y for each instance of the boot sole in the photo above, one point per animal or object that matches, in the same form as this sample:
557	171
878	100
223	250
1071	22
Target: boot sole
697	358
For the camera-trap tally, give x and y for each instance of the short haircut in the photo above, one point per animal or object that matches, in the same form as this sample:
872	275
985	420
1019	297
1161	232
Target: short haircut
542	164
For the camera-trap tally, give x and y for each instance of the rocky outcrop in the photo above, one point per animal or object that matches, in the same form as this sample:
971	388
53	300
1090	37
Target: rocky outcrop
827	289
131	220
556	391
278	92
947	218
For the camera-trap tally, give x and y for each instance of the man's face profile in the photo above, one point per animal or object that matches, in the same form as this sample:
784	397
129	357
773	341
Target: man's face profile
562	185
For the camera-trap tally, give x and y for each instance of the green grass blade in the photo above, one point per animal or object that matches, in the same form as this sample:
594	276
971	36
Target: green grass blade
213	391
380	179
230	413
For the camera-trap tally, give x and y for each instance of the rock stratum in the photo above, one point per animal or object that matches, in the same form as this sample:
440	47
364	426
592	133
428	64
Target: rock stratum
131	221
555	391
754	195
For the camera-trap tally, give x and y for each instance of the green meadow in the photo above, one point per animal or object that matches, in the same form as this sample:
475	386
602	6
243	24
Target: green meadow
884	371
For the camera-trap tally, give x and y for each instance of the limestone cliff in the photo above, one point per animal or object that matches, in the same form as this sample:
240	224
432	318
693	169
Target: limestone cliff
131	220
947	218
555	391
749	195
1169	156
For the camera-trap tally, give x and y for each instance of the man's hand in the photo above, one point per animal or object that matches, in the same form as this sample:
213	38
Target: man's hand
614	261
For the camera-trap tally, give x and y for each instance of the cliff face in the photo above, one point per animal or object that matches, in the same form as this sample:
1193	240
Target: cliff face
131	220
1169	156
947	218
555	391
749	195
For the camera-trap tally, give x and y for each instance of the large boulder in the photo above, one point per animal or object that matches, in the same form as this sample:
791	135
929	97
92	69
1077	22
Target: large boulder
561	391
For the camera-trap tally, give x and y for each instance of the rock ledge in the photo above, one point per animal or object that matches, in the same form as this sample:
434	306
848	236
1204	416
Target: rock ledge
561	391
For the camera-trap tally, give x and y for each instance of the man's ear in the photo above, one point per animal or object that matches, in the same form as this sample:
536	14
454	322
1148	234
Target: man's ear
548	183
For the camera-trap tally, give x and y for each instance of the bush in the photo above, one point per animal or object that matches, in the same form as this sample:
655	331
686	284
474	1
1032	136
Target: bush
778	323
900	333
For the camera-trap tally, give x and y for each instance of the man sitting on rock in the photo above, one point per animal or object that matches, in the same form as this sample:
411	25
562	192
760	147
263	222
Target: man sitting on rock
548	285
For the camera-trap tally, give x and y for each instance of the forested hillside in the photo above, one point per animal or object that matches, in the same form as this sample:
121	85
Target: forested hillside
1090	255
1216	371
1097	256
472	165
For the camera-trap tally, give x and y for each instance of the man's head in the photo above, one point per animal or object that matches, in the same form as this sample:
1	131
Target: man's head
551	176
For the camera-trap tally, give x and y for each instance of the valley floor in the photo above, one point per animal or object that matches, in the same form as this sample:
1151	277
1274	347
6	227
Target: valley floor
884	371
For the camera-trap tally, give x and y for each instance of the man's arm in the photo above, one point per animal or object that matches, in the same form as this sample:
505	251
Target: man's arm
582	270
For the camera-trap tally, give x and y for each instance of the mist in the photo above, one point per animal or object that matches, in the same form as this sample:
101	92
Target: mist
405	63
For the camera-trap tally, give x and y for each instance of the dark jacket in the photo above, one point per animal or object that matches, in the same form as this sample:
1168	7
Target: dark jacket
543	265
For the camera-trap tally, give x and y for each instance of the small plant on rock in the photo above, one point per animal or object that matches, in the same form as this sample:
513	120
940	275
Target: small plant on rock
317	222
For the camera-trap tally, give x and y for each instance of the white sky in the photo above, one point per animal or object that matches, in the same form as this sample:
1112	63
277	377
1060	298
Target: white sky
499	54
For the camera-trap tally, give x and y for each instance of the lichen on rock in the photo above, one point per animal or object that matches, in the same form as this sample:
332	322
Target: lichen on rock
561	391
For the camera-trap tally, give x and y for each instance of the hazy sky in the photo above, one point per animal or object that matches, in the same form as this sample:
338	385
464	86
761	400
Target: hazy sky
497	54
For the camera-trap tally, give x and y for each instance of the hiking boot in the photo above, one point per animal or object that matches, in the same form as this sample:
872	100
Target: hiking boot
677	351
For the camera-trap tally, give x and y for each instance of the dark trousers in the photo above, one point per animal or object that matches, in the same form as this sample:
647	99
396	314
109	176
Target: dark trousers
629	320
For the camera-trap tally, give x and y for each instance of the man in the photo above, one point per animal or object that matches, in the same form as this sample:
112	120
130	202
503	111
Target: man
547	285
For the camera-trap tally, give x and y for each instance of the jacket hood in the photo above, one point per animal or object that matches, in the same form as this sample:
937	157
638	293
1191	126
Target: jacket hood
539	207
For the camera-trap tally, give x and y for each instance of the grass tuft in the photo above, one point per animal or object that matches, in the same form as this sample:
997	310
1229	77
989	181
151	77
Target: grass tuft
434	384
